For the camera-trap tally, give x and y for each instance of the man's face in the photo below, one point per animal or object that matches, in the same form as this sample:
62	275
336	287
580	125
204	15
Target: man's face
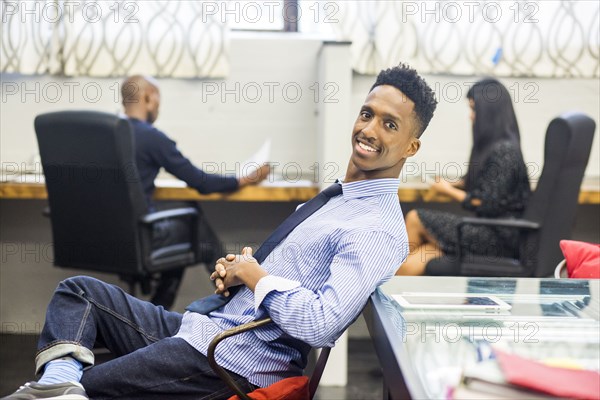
152	104
383	134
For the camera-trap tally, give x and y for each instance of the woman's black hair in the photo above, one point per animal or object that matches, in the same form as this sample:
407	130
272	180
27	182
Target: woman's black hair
495	121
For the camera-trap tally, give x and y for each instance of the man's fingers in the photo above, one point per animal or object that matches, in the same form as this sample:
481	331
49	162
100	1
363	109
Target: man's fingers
230	257
220	270
247	251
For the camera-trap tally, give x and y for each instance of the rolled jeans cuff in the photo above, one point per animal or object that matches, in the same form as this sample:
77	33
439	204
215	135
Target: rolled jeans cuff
63	349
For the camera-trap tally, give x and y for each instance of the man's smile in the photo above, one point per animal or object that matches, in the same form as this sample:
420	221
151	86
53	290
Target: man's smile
366	147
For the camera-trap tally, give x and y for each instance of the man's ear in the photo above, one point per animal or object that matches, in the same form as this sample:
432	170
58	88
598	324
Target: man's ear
413	147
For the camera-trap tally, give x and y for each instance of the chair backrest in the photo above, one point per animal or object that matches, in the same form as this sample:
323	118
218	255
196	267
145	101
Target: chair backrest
94	192
554	202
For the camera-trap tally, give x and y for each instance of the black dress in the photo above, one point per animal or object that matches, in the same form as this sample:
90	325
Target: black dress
503	188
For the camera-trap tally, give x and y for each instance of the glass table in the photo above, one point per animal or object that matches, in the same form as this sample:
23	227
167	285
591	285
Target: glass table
423	352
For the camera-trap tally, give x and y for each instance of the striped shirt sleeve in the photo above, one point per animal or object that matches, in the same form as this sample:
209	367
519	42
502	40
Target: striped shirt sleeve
362	262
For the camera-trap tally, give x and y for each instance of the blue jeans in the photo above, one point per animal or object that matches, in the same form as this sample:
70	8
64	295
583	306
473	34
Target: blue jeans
149	363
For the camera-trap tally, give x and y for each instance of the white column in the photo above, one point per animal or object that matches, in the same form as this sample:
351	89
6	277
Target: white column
334	127
334	120
336	370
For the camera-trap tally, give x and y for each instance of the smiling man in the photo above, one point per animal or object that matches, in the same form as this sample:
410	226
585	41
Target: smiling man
385	134
312	276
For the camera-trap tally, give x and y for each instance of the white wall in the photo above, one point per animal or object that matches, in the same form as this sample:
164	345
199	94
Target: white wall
213	122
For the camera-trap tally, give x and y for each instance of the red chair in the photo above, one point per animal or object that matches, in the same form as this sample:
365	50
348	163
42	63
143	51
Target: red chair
294	388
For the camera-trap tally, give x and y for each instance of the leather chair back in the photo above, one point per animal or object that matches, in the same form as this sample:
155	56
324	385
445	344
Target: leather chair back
94	191
555	199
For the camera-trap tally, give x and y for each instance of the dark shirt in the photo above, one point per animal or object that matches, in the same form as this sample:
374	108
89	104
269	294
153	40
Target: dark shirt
503	186
154	150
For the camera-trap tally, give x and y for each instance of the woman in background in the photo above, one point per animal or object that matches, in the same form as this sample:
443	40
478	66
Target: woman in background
495	186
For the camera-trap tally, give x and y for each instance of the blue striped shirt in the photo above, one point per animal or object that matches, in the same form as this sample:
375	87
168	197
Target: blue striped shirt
320	278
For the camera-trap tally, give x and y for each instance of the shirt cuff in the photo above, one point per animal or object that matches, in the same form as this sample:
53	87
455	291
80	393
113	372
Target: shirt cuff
270	283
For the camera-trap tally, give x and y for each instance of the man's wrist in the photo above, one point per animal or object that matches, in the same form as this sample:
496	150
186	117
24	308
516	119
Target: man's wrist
250	274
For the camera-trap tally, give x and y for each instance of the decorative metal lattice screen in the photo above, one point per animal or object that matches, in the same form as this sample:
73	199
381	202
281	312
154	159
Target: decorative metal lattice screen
502	38
113	38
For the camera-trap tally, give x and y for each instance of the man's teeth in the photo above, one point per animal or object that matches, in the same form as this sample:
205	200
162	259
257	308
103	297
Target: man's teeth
365	147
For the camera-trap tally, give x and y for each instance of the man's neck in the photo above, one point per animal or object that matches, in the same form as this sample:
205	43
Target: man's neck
354	174
136	114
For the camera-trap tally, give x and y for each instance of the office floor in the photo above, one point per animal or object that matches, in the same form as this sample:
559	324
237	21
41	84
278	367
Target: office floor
364	377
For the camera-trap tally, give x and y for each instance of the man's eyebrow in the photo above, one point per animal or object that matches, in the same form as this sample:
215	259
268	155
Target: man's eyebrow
392	117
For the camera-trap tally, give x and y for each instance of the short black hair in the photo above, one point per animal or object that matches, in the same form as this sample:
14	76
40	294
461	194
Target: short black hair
409	82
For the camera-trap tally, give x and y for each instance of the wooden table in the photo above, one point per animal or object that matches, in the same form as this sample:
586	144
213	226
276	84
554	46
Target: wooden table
176	190
167	191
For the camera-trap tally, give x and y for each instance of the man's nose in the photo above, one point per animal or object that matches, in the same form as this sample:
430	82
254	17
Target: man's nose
369	129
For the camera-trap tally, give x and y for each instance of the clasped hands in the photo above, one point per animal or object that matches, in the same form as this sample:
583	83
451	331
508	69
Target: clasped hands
236	269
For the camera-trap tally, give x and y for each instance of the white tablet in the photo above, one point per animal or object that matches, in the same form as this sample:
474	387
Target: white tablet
451	301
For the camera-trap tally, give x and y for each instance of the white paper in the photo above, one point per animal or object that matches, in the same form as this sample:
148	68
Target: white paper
260	157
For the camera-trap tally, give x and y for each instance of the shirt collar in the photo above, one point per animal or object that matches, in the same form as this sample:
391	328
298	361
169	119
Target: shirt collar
370	187
133	119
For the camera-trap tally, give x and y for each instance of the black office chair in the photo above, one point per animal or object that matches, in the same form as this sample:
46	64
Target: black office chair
313	382
550	213
99	216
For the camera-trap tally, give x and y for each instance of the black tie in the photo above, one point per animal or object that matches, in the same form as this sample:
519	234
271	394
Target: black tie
214	301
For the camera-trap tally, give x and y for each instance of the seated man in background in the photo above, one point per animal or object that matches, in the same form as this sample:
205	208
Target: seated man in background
313	277
155	150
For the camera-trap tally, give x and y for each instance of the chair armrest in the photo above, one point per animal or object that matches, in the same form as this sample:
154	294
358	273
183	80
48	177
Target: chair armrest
222	373
224	335
521	224
508	223
172	213
318	372
558	271
147	221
